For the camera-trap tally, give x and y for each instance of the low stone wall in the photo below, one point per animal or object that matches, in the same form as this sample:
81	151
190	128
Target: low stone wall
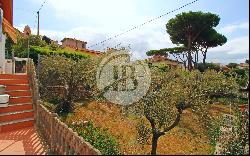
60	138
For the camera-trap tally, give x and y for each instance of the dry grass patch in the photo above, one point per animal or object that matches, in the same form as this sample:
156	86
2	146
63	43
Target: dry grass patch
187	138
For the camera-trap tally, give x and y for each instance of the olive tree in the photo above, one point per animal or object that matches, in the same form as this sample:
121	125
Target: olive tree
66	79
174	91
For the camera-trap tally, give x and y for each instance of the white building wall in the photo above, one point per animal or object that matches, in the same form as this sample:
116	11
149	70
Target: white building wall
8	66
2	45
2	55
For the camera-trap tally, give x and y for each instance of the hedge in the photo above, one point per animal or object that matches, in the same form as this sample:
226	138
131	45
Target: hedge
67	53
35	50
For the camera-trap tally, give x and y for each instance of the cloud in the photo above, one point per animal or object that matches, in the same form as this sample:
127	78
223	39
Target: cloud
109	14
234	27
238	45
150	37
138	41
235	50
98	20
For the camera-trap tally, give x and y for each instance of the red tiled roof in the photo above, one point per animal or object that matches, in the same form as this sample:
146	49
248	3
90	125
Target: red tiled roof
84	50
90	51
73	39
158	58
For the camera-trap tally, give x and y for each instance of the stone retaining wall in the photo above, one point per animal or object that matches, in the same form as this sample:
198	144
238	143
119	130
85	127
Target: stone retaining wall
60	138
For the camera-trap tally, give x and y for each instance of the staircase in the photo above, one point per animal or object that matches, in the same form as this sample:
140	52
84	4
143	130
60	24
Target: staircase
19	113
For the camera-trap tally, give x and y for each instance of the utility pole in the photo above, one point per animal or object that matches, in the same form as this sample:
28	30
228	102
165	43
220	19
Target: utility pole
38	24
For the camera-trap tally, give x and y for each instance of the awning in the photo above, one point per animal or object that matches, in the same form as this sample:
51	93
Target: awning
11	31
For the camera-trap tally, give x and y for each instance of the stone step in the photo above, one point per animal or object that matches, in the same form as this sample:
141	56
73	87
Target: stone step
11	76
20	99
16	107
17	87
17	93
16	124
19	113
12	116
13	81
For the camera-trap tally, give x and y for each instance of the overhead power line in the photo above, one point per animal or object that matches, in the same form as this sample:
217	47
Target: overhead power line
42	5
138	26
34	27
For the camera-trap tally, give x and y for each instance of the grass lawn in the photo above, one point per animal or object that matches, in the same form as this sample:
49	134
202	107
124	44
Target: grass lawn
187	138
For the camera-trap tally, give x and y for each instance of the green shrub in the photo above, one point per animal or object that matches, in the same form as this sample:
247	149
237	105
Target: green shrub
35	50
55	100
98	138
238	143
211	66
49	106
213	130
224	100
241	76
232	65
47	51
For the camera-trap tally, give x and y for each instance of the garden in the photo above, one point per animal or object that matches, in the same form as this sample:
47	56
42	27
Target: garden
183	111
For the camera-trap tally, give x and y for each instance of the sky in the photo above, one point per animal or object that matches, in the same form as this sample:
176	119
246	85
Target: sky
96	20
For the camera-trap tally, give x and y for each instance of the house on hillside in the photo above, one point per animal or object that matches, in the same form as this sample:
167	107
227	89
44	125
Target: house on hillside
243	66
73	43
78	45
158	60
225	68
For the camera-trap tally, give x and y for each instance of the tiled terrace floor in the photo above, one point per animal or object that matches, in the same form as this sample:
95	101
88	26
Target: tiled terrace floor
21	142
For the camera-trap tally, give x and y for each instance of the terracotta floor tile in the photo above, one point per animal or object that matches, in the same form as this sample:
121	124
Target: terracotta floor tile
21	142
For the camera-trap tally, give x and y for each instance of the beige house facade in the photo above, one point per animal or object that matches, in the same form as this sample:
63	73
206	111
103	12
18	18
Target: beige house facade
73	43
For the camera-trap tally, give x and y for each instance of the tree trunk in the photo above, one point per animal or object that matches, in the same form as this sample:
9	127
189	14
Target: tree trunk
154	143
190	61
204	58
189	54
196	59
